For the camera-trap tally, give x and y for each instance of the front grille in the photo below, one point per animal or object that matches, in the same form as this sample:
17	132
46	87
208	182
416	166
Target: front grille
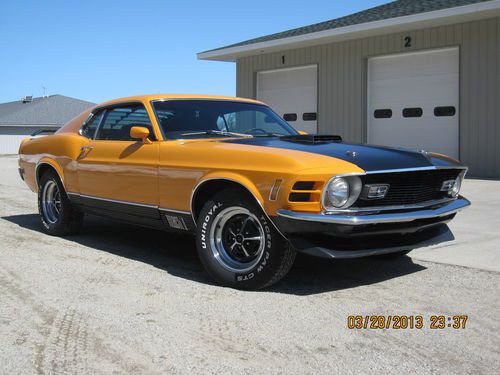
406	188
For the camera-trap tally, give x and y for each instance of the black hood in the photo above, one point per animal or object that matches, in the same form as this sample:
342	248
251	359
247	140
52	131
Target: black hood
367	157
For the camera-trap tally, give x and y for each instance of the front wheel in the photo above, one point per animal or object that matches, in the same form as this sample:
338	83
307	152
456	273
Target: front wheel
237	244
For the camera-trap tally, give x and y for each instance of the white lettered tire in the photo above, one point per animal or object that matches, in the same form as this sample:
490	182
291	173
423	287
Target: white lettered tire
238	245
57	214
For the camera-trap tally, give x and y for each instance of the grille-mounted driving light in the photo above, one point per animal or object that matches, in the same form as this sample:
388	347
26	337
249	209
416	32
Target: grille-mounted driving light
378	191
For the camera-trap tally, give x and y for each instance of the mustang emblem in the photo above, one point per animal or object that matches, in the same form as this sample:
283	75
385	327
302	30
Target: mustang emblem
352	153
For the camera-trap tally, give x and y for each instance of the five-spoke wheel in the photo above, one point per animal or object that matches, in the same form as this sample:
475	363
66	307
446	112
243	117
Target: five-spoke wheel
237	239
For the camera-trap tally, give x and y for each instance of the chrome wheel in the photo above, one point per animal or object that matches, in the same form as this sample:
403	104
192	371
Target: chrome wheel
238	239
51	202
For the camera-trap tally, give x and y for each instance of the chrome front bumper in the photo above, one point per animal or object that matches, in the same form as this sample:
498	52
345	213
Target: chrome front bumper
363	218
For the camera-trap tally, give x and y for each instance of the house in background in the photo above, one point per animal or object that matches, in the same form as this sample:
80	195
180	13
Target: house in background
21	118
423	74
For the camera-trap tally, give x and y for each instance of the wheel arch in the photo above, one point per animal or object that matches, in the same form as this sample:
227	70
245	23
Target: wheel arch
48	164
212	184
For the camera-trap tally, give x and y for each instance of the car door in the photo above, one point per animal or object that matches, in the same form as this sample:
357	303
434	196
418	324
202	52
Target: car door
113	167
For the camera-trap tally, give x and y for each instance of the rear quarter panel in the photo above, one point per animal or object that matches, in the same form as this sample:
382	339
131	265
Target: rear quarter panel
58	150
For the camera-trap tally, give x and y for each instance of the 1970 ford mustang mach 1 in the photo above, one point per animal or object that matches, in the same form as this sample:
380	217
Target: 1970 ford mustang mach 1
251	188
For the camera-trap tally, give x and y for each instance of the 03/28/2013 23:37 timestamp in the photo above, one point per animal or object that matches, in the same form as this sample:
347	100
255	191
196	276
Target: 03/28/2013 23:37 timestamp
406	322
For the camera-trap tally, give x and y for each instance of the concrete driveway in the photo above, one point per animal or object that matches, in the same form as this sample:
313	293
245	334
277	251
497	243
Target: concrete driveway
120	299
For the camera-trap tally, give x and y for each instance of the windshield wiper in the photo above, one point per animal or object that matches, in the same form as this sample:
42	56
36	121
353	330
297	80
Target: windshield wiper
269	134
218	132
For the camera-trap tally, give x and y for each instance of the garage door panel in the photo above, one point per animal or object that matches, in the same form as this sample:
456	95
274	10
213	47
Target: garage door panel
291	90
423	80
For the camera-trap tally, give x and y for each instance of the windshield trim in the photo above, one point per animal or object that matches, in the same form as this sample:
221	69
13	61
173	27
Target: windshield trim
165	138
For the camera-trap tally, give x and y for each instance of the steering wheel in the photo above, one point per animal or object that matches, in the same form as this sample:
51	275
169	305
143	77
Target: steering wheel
255	131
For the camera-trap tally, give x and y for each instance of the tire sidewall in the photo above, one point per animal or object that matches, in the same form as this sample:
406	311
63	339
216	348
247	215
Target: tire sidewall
59	226
261	273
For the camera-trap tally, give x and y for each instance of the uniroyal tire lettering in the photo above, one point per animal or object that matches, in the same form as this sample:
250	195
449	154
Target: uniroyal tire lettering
206	220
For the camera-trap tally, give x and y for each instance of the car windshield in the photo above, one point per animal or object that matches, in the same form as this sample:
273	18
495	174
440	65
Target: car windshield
181	119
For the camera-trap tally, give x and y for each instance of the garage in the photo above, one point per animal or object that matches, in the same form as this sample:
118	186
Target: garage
292	93
11	136
415	74
413	100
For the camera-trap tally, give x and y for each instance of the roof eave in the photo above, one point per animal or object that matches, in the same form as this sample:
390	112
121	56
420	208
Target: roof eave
406	23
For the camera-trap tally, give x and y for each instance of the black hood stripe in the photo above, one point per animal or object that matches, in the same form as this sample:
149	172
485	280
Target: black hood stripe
369	158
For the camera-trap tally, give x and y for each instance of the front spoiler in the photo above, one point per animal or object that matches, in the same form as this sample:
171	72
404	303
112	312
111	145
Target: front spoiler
361	234
333	247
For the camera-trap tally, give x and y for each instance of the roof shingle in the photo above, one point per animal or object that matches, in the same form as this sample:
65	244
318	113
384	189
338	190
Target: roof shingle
394	9
50	110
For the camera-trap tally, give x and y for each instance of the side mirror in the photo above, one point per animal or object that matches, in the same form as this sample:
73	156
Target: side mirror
140	132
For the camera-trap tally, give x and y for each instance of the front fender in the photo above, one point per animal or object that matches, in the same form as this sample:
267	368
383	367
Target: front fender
234	177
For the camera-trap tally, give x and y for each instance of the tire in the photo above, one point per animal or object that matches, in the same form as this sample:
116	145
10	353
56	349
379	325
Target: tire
396	255
253	262
58	216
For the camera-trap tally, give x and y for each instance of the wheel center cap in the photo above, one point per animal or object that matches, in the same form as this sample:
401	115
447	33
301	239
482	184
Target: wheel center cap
239	238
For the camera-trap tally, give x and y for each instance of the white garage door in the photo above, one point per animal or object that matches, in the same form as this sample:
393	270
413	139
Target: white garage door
292	93
413	100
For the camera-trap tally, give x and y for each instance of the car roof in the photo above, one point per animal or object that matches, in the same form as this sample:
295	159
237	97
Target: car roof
152	97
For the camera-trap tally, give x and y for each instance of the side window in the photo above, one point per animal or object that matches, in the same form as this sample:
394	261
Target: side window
119	120
89	127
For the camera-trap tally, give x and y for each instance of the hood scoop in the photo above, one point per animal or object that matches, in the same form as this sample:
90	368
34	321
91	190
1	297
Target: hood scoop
312	138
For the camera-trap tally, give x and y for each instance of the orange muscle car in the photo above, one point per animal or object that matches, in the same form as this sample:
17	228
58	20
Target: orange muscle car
252	189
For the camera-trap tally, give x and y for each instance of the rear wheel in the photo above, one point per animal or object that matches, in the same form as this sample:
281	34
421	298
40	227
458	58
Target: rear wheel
58	216
237	244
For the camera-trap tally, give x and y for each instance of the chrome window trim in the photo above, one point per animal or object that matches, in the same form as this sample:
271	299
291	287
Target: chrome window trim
152	102
109	107
91	116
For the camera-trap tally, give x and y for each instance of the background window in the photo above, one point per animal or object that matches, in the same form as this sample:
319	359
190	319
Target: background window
309	116
382	113
119	120
445	111
290	117
89	127
412	112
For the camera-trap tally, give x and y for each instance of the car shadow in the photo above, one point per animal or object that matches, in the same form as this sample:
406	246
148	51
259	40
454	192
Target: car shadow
176	254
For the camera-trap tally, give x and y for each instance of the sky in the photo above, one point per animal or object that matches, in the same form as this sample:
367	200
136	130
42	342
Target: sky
100	50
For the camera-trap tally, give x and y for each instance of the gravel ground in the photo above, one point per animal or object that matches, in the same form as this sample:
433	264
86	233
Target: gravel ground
120	299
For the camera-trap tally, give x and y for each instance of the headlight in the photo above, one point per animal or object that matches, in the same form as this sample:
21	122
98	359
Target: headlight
341	192
453	192
452	187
